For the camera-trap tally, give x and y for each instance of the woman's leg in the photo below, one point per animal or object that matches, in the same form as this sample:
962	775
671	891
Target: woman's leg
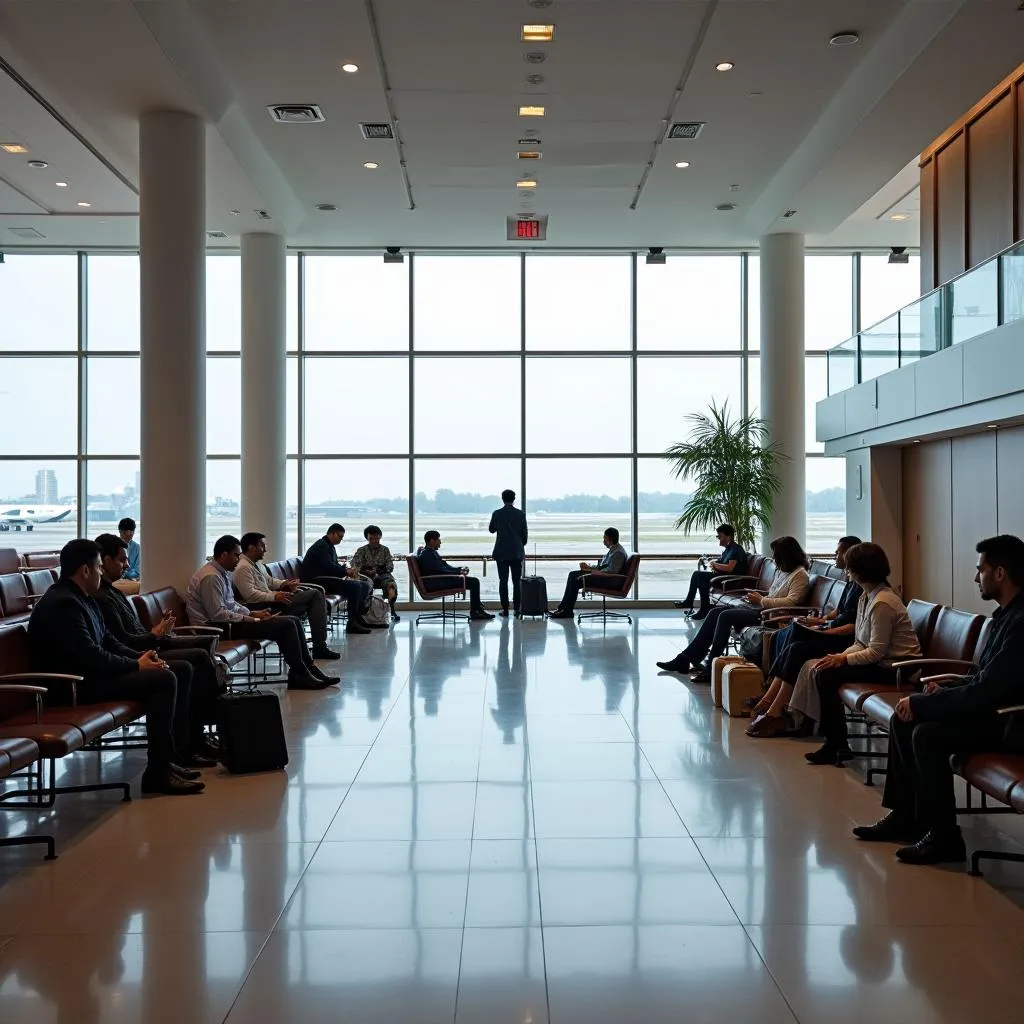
767	698
781	699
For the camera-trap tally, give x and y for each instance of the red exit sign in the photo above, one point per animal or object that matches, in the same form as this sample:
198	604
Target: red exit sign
529	228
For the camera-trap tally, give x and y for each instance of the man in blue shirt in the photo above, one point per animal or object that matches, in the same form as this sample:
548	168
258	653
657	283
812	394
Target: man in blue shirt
432	564
126	531
320	565
509	526
610	567
732	563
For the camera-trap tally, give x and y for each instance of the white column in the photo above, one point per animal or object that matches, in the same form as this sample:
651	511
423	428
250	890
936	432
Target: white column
264	389
782	373
172	240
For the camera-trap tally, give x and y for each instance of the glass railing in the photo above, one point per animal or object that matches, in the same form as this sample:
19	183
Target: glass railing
980	300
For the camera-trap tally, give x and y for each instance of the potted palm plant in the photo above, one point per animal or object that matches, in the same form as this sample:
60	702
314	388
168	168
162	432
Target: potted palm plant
735	470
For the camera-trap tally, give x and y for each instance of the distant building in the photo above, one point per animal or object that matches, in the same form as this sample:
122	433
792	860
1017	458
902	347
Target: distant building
46	487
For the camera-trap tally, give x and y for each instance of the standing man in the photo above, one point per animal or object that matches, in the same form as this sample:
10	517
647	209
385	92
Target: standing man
508	524
432	564
133	569
320	565
611	565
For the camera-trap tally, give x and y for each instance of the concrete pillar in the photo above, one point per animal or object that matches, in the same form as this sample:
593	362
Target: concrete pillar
172	241
782	373
264	369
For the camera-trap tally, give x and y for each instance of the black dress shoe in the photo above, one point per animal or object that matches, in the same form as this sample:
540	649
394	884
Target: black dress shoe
395	617
169	784
829	754
323	676
893	828
480	615
357	627
324	653
677	664
196	760
702	675
182	772
935	848
697	616
305	681
558	613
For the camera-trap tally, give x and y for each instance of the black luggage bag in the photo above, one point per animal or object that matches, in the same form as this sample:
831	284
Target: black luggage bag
533	596
251	732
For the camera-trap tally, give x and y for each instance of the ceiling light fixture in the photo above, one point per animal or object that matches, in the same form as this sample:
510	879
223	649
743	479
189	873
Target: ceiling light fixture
844	39
370	165
528	111
85	204
526	183
13	147
900	216
538	33
61	184
725	207
350	69
326	207
528	154
39	165
725	65
683	164
991	426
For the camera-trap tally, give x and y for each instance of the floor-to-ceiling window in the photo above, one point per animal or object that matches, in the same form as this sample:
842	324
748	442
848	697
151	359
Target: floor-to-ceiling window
418	391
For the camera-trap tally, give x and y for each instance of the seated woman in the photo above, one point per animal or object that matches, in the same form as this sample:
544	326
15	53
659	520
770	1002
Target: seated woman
375	561
795	645
883	634
789	587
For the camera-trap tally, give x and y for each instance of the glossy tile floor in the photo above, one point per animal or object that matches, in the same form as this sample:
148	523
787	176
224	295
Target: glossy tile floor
509	822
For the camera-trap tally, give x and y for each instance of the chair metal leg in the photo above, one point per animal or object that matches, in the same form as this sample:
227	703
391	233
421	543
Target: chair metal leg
446	614
604	615
51	852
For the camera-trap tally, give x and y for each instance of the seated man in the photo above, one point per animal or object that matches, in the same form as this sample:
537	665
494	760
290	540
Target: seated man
67	635
320	565
124	624
732	562
610	567
261	592
211	602
432	564
132	573
953	716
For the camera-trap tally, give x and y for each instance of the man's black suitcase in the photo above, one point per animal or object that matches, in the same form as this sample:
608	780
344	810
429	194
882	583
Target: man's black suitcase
533	596
251	732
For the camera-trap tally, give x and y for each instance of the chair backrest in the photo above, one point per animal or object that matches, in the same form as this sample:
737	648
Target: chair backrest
983	635
629	570
39	580
294	565
153	606
819	567
278	570
9	561
14	594
754	563
415	574
922	617
766	575
14	658
42	559
820	591
955	635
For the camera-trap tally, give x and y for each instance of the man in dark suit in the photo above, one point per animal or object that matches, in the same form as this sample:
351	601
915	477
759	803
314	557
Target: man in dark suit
67	634
126	627
432	564
320	565
509	526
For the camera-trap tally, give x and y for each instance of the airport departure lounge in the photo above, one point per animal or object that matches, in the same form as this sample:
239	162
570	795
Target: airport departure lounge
511	511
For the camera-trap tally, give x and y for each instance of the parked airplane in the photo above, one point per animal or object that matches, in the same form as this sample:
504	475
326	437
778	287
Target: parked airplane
17	517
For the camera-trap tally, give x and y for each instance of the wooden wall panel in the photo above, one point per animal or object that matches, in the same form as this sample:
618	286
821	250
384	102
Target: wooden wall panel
1018	144
974	512
928	278
990	142
950	181
1010	481
927	522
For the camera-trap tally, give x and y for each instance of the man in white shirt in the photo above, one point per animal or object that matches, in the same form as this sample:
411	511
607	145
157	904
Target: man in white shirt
259	591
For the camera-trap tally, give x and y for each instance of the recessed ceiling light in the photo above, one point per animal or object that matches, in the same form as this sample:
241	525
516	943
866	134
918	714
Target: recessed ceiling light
326	207
725	65
528	154
900	216
13	147
38	164
531	111
61	184
85	204
370	165
683	164
844	39
991	426
526	183
917	440
538	33
725	207
350	68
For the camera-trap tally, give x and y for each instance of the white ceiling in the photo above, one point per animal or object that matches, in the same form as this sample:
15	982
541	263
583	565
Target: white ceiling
796	125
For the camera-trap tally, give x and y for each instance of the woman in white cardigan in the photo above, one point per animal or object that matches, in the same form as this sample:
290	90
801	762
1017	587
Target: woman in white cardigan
789	588
883	635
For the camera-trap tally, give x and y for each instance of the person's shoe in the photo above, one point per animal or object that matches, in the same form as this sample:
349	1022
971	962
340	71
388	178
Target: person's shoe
479	615
316	673
677	664
934	848
182	772
828	754
305	681
768	725
702	675
167	783
356	627
559	613
196	760
893	828
395	617
324	653
697	616
209	747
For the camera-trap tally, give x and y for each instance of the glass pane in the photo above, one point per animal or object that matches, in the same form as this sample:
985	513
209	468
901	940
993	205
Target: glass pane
356	302
828	300
826	505
292	406
291	330
975	302
880	348
570	503
467	302
467	404
113	306
456	498
580	302
39	299
669	390
38	505
661	497
921	328
370	395
692	302
112	488
112	394
1012	264
753	301
223	500
886	287
842	367
815	389
224	303
356	493
224	405
39	398
292	538
578	405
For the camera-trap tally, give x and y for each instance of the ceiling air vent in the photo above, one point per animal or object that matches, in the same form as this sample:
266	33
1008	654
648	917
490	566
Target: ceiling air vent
295	113
684	129
26	233
376	130
216	234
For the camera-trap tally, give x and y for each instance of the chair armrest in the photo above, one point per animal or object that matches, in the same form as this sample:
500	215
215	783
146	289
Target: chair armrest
792	611
35	692
904	669
447	576
735	583
1012	709
57	684
197	631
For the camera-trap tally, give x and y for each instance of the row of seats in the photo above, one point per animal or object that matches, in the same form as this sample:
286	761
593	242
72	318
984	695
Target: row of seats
19	591
11	561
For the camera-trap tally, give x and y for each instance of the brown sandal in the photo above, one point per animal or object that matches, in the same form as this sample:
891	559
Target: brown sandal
769	725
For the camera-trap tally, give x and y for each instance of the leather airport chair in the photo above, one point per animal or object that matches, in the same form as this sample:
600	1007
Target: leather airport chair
17	754
730	590
455	592
9	561
39	581
15	599
42	559
592	587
